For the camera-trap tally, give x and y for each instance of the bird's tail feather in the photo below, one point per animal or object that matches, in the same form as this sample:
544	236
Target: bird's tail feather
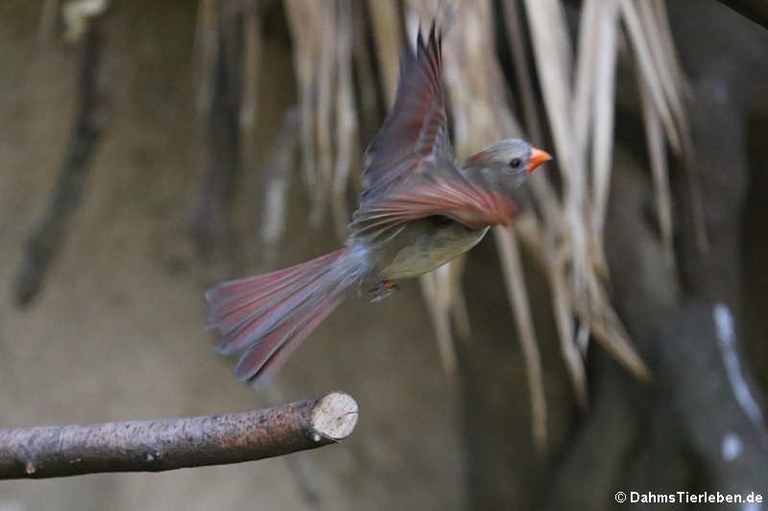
268	316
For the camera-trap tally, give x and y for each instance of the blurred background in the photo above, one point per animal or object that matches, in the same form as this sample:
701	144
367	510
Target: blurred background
613	340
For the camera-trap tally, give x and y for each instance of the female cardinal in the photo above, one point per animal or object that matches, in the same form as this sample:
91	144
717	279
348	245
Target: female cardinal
418	210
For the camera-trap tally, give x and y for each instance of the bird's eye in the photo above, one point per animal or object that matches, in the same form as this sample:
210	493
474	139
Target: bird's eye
515	163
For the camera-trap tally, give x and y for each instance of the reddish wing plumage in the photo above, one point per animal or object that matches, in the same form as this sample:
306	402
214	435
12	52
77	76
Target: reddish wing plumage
416	128
458	199
410	171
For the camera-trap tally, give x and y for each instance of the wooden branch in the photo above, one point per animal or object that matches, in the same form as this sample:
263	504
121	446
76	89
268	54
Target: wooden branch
168	444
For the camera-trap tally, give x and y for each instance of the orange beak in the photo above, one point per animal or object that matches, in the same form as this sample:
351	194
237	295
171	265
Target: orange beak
537	158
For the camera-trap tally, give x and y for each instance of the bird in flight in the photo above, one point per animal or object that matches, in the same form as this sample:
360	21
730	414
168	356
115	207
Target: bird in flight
419	209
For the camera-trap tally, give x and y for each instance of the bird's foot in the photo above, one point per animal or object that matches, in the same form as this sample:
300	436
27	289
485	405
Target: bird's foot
383	290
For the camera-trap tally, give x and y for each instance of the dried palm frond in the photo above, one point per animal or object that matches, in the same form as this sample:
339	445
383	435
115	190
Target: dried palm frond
662	87
583	137
251	64
209	35
346	120
512	265
312	27
276	177
206	48
49	15
77	13
322	35
73	14
323	60
386	24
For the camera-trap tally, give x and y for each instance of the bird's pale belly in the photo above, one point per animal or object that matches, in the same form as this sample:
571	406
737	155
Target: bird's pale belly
423	246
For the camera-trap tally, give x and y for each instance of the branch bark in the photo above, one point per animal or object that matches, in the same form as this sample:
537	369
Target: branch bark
168	444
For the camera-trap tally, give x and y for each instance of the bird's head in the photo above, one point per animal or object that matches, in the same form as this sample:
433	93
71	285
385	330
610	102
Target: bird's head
510	158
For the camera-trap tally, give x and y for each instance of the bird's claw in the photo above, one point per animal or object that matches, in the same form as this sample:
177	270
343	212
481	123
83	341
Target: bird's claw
383	290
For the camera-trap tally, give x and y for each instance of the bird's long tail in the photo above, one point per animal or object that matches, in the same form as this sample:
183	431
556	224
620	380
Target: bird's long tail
267	317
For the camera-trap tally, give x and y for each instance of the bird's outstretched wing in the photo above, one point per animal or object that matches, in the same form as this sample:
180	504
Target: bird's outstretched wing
416	128
410	171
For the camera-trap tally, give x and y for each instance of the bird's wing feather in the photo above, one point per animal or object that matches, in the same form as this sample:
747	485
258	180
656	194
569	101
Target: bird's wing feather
443	194
416	128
